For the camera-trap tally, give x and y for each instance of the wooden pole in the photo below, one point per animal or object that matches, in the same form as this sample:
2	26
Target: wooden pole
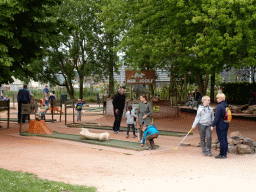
73	102
65	114
52	109
60	109
8	113
21	117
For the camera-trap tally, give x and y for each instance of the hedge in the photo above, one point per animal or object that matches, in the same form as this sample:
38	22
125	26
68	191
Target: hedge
238	93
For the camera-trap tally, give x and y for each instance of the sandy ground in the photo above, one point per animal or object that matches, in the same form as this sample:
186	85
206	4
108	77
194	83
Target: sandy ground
112	169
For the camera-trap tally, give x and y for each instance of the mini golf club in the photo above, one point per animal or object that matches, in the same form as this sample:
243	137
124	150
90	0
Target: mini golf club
183	139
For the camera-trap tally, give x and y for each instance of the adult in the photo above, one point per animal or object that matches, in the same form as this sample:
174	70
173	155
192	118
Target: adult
46	95
251	98
53	92
221	126
220	90
23	97
118	105
197	97
144	113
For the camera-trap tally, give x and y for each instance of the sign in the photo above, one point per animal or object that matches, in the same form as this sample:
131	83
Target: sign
140	77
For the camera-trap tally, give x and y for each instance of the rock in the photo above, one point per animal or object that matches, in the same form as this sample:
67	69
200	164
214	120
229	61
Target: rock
215	141
248	141
236	135
218	145
198	145
214	146
243	149
232	149
185	144
253	150
237	141
230	141
254	144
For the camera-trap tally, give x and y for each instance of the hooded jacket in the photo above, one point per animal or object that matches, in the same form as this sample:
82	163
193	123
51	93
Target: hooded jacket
220	113
204	116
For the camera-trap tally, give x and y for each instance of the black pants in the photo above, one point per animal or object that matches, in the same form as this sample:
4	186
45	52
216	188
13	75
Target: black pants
128	129
19	111
118	119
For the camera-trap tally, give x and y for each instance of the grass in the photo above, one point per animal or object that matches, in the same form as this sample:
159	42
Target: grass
26	182
111	143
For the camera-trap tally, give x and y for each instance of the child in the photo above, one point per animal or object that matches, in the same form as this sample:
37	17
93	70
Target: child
149	135
79	106
130	121
204	118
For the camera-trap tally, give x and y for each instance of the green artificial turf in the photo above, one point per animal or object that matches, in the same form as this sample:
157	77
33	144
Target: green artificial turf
90	126
111	143
12	181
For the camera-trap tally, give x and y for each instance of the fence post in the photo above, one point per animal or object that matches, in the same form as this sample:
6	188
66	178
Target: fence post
73	111
8	113
60	109
65	114
52	108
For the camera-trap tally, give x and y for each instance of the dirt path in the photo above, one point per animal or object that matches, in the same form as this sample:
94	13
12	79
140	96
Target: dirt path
111	169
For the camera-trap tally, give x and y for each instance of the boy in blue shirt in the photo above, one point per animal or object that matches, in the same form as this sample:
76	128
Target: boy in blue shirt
149	135
79	106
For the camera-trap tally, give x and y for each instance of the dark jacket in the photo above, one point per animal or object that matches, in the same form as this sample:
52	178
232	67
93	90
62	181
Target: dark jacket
23	96
119	101
219	114
197	96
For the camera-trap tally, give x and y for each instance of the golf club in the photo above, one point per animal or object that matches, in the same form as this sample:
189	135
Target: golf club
183	139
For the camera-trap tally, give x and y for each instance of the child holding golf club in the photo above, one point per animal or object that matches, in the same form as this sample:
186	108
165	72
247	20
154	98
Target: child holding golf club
204	119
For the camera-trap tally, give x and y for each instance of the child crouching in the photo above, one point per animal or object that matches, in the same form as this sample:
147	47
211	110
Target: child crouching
204	119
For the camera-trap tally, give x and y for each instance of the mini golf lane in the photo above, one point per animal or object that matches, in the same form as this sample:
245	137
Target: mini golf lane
111	143
95	126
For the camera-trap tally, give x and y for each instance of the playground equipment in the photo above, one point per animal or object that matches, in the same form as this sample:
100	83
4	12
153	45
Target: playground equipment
39	127
85	134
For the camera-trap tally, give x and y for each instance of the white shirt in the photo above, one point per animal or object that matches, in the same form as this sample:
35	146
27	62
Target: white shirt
130	117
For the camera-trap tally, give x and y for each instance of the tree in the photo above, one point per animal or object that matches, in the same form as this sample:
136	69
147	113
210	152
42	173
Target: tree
24	31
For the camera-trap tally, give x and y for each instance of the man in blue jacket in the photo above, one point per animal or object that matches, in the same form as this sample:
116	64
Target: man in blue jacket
221	126
23	98
150	134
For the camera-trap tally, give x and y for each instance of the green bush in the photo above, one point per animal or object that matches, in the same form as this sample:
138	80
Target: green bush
238	93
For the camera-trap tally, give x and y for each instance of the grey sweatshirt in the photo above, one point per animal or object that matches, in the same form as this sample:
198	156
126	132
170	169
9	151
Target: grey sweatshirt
204	116
144	109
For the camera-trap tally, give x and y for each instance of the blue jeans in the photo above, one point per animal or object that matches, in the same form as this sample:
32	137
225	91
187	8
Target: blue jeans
222	133
128	129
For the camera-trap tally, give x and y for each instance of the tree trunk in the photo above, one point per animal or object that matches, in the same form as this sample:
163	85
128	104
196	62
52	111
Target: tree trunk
111	68
81	83
70	89
212	96
202	86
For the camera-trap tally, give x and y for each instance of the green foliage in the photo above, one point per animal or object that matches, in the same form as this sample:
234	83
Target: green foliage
17	181
237	93
25	26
